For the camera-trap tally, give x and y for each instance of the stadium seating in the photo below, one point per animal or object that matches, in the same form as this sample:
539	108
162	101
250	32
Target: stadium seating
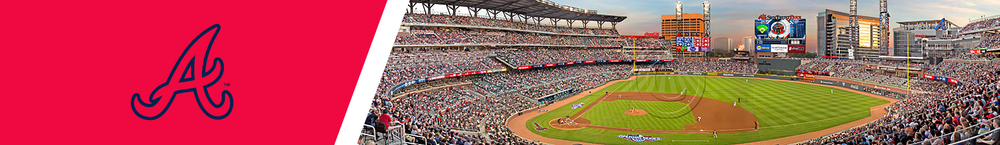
480	103
477	21
446	36
984	24
949	114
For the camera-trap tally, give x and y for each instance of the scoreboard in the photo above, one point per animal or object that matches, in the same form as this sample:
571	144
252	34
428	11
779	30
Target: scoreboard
702	44
784	34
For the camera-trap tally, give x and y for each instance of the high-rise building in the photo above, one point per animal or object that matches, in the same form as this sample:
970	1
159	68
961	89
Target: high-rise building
833	39
723	45
691	25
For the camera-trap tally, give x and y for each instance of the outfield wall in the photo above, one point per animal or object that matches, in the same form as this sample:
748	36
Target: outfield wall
783	66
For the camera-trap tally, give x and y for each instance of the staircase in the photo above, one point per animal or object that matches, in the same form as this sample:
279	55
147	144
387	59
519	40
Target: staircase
505	64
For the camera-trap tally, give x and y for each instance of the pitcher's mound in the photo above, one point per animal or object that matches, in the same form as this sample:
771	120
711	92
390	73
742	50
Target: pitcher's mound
635	112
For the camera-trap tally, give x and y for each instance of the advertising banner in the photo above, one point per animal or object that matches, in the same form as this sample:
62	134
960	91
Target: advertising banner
523	67
779	48
763	48
549	65
638	138
435	78
939	78
589	61
950	80
928	76
614	60
576	106
796	48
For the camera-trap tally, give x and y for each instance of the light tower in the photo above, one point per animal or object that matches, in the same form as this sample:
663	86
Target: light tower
853	29
883	26
708	18
679	9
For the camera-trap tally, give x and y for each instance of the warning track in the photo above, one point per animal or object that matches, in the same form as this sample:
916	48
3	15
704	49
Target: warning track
517	123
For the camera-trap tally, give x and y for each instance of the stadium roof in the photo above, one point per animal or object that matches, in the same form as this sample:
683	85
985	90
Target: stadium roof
534	8
926	22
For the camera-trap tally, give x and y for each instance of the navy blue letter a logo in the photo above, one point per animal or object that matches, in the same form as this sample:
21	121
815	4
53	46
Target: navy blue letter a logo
193	79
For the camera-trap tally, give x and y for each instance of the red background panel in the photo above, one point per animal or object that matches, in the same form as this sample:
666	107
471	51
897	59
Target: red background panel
71	67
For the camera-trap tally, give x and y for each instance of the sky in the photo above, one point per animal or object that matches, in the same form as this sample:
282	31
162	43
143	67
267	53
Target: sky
734	18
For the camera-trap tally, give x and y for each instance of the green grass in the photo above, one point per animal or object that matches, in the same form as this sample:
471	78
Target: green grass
782	108
611	114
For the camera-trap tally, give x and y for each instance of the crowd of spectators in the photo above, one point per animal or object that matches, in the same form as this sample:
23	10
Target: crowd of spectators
989	40
482	36
984	24
551	79
859	71
477	21
408	66
525	57
948	114
707	66
577	78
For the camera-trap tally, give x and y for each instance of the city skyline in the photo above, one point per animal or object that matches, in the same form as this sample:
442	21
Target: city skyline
734	18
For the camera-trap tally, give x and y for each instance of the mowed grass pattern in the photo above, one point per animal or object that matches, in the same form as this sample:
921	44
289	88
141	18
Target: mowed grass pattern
612	114
782	108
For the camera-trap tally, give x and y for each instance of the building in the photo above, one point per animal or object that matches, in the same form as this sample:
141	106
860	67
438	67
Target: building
833	39
691	25
905	38
723	45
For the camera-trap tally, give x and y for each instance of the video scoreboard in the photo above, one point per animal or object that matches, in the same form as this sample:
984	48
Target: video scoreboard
785	34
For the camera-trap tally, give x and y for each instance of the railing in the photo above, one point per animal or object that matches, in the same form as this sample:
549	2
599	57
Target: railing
414	136
969	140
373	131
977	126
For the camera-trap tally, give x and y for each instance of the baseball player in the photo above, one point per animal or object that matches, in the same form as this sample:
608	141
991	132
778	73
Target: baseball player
715	134
699	118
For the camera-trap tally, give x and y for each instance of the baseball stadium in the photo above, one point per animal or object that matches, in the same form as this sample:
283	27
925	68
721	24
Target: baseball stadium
520	72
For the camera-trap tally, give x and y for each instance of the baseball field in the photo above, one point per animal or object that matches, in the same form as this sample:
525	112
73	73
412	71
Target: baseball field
666	110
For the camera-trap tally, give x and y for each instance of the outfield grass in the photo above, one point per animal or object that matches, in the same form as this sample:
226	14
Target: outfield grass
782	108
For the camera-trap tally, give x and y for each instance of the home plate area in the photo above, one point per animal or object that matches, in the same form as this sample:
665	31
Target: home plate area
716	115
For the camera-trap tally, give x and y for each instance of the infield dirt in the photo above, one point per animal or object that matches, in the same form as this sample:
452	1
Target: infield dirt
517	123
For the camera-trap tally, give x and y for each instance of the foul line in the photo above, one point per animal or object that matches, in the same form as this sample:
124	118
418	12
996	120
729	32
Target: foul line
602	98
689	140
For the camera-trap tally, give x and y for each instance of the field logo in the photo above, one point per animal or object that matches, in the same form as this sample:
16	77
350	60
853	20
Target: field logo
577	106
638	138
539	127
193	79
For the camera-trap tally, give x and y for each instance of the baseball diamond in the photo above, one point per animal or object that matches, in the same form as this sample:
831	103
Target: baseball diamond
781	108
